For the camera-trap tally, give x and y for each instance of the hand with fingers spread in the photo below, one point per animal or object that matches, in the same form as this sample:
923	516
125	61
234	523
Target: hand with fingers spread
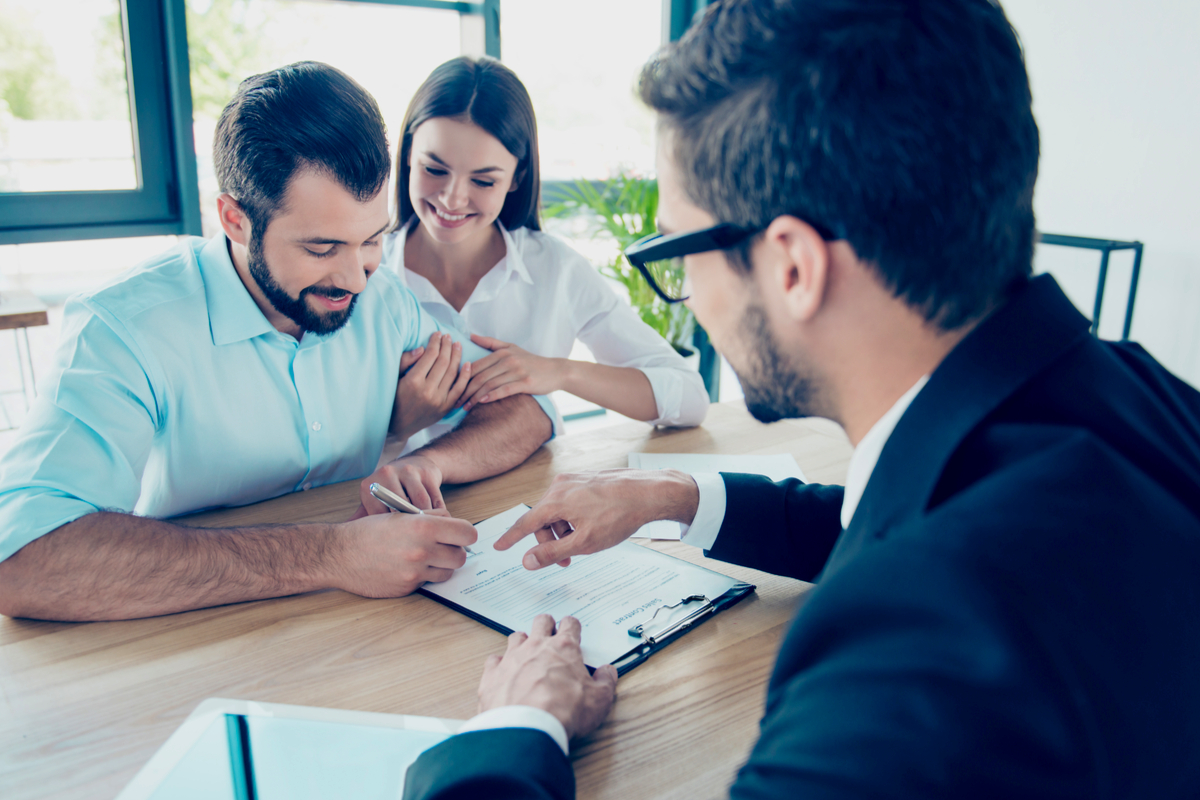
509	370
414	476
588	512
431	384
391	556
544	669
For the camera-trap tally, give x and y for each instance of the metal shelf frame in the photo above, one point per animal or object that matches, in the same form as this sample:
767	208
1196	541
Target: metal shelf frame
1105	247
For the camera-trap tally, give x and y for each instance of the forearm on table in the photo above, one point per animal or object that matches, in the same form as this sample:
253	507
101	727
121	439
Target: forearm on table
494	438
106	566
625	390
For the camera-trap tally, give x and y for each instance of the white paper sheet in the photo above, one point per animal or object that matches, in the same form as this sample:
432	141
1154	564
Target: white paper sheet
608	592
775	467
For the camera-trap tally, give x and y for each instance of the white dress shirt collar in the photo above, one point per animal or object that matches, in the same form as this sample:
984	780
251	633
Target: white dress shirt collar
866	455
487	288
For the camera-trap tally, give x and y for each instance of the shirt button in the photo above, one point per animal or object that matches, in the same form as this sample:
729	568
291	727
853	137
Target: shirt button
306	486
316	426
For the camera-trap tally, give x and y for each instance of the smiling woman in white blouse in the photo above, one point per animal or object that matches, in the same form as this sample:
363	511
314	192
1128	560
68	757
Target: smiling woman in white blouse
468	243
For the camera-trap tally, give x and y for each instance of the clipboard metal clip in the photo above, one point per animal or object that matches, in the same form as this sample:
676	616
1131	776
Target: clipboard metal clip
640	629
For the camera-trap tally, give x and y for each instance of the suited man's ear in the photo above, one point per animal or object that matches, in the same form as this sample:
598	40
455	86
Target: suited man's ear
796	262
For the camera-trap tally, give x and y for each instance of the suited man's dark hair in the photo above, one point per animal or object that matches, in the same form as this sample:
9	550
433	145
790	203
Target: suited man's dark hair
486	93
306	115
903	126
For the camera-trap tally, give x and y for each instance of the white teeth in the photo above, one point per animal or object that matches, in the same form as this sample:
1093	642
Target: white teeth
450	217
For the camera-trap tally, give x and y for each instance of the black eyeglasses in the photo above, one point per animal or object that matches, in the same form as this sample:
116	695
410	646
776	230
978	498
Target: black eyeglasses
660	258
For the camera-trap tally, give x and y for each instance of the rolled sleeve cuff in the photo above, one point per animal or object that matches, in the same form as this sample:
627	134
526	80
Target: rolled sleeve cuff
30	513
520	717
710	512
551	410
679	395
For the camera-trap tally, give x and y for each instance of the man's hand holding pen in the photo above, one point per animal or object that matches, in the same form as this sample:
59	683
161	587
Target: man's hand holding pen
380	553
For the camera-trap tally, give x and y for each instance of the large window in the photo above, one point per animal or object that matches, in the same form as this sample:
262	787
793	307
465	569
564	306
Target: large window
64	98
580	62
88	140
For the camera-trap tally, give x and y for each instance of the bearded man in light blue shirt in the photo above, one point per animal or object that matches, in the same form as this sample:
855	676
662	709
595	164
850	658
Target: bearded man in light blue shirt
224	372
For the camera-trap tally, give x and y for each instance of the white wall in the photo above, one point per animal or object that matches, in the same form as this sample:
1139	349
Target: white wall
1116	93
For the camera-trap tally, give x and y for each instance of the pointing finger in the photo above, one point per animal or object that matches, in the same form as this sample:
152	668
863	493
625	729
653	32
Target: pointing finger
547	553
540	516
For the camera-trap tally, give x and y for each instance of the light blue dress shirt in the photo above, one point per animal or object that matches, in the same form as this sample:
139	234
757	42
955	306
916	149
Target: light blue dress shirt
171	393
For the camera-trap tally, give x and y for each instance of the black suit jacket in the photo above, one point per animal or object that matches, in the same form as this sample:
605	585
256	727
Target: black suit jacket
1014	610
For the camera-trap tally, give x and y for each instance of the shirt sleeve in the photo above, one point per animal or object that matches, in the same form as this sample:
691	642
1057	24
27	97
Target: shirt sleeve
618	337
520	717
85	444
710	512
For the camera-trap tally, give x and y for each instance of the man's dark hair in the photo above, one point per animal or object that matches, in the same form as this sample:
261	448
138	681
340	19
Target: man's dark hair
903	126
303	116
486	93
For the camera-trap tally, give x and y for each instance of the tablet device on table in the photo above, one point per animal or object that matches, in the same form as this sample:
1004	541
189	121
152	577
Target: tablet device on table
237	749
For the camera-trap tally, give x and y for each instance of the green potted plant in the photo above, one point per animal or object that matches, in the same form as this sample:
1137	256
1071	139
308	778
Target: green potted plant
625	208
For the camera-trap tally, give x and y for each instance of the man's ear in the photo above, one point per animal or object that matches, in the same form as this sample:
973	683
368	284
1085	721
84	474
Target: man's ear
234	221
798	266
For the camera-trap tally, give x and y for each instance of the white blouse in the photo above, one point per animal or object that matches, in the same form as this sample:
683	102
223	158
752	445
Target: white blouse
542	296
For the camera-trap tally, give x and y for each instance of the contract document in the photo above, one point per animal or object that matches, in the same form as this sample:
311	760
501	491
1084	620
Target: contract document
611	593
775	467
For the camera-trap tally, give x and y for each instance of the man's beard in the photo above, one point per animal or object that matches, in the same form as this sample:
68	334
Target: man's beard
773	389
296	308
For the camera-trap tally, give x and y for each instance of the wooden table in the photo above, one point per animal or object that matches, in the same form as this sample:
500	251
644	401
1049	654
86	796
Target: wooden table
83	706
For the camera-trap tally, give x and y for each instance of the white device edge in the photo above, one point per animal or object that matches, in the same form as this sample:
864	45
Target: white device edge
150	776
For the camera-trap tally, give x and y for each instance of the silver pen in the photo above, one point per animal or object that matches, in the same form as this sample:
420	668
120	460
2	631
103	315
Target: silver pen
397	503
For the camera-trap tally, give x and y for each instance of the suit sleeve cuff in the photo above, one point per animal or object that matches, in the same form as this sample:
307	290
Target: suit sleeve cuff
520	717
710	512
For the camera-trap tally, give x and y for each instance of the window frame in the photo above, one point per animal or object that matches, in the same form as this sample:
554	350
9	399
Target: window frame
167	200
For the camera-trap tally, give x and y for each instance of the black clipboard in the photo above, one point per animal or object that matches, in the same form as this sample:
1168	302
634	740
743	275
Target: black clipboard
655	638
651	638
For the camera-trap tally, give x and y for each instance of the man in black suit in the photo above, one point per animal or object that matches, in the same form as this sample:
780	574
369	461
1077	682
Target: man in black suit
1008	587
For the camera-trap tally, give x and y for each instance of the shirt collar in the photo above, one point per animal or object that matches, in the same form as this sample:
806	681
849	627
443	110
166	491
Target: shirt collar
866	455
233	316
512	261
